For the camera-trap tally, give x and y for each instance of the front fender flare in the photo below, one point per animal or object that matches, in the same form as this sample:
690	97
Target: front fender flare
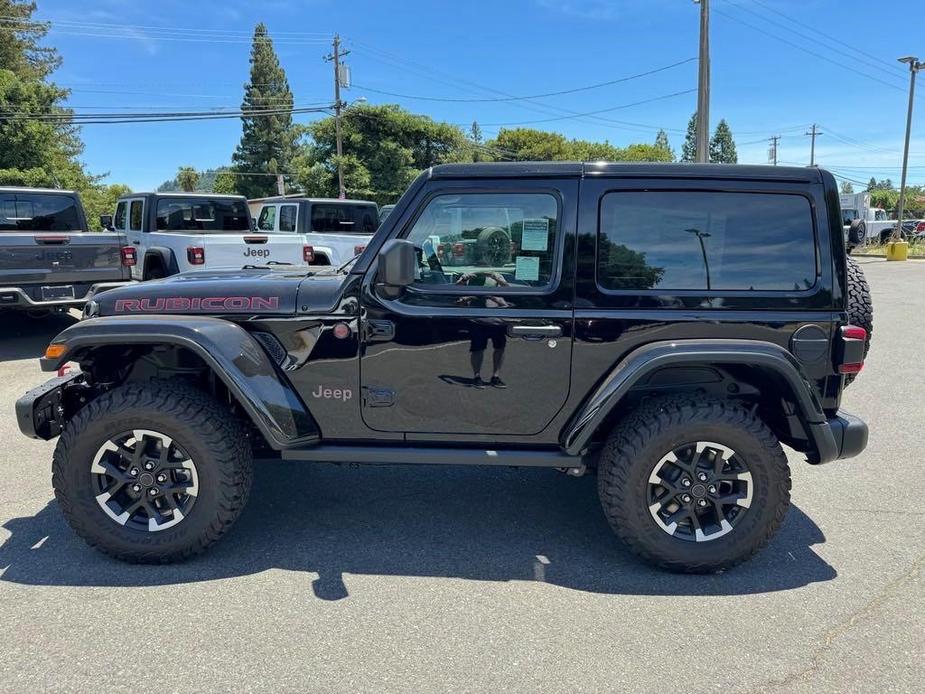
576	435
236	358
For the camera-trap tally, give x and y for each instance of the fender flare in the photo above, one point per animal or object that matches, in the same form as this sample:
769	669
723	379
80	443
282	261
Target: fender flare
167	257
638	364
231	352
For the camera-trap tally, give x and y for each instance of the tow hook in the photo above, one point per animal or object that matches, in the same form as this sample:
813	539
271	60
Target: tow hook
577	471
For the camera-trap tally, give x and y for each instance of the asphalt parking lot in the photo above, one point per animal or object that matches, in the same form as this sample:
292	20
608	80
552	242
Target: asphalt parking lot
433	579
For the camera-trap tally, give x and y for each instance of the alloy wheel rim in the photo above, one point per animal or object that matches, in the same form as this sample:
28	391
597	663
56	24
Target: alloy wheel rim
143	480
699	492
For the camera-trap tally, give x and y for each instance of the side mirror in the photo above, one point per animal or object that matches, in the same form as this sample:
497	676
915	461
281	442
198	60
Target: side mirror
106	221
396	267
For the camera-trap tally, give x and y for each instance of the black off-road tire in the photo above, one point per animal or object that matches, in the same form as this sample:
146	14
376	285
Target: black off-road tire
204	428
860	306
640	440
493	246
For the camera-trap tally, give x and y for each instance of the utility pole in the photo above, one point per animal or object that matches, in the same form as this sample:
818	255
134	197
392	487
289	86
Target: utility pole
812	148
703	85
772	150
335	57
914	66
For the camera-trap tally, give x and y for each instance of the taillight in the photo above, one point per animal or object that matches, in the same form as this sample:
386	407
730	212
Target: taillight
854	339
129	256
920	227
359	248
196	255
308	254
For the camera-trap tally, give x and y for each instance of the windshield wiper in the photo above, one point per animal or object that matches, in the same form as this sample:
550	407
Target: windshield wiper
269	263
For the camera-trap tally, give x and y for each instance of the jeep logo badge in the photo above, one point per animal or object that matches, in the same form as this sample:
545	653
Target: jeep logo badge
256	253
343	394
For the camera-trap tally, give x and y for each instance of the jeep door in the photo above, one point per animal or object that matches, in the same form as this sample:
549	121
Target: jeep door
492	299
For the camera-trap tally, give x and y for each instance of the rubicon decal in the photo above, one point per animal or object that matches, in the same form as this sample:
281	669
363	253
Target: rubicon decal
181	304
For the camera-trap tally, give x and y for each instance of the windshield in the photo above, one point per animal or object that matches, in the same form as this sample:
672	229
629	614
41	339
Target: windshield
848	216
202	215
37	212
332	217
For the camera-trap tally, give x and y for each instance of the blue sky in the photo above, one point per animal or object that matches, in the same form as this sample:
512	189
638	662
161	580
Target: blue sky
774	73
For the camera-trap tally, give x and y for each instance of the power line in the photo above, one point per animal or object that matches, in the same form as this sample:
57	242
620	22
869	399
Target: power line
532	96
109	25
97	119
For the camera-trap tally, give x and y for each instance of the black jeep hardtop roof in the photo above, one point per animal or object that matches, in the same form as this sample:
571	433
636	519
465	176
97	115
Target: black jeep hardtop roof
305	198
565	169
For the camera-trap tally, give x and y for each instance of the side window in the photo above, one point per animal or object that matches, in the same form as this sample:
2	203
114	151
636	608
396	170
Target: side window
287	215
693	240
267	219
135	215
487	240
119	221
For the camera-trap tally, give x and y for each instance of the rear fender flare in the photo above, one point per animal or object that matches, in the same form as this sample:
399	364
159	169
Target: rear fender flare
163	255
577	434
236	358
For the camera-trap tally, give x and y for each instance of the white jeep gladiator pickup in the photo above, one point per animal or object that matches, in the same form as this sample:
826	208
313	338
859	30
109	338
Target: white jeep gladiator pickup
180	232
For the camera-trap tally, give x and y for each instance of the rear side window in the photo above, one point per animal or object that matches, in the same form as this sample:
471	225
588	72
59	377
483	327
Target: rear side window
202	214
287	214
695	240
135	215
31	212
119	221
344	219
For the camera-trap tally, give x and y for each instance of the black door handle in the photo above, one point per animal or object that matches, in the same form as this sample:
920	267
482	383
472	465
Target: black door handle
537	332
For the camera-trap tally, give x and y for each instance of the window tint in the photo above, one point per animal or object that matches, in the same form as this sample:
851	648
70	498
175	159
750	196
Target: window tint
287	215
487	240
30	212
119	221
202	214
135	215
699	240
344	219
267	219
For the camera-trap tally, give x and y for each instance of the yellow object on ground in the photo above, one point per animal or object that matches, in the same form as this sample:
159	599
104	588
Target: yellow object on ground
897	250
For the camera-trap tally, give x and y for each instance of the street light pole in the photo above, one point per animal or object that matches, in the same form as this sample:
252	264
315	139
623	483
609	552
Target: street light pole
703	85
914	66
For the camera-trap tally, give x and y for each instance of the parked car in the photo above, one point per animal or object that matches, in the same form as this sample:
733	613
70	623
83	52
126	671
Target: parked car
876	226
336	229
384	212
49	260
180	232
669	326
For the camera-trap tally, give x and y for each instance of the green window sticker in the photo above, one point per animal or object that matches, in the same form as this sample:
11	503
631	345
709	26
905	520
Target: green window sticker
535	235
527	268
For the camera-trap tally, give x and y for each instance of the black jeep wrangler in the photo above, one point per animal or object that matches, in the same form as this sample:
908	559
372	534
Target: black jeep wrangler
669	326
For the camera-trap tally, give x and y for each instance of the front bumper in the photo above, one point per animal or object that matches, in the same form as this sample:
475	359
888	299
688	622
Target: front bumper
40	412
15	297
842	436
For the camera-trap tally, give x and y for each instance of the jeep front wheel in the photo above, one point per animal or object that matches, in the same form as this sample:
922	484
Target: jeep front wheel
152	473
694	484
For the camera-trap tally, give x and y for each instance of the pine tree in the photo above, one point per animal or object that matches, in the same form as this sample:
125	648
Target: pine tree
661	142
20	51
264	138
187	178
872	184
847	188
689	149
722	146
475	137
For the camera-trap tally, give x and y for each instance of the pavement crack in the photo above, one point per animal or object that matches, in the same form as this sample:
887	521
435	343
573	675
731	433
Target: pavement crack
833	634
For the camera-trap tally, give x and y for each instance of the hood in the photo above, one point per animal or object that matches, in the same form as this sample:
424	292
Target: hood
251	292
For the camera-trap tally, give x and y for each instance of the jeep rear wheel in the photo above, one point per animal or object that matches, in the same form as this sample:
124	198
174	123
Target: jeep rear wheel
152	473
693	484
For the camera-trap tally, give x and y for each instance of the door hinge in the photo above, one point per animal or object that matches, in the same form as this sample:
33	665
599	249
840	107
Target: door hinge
376	396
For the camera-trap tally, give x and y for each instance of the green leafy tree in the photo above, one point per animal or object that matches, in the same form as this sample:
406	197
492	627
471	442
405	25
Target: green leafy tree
225	183
387	148
265	138
722	146
528	144
689	148
871	184
847	188
661	142
20	49
187	179
101	199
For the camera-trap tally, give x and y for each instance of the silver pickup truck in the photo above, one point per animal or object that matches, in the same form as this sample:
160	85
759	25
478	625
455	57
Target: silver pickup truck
49	260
